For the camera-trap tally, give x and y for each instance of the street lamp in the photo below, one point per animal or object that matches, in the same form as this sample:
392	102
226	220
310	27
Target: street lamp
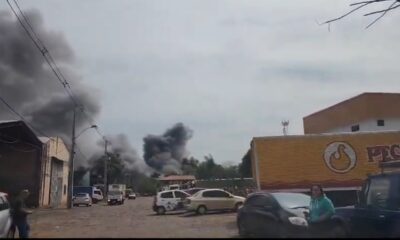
84	130
71	160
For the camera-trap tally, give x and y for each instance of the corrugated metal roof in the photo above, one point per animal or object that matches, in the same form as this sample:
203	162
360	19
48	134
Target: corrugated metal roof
8	121
177	177
44	139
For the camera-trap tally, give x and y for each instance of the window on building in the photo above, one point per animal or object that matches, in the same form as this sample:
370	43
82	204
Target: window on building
380	122
355	128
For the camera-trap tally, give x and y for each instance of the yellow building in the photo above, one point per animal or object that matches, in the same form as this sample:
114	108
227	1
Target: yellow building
55	168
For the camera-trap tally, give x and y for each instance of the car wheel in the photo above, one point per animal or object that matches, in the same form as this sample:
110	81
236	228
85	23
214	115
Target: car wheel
201	210
237	206
338	231
242	229
281	231
160	210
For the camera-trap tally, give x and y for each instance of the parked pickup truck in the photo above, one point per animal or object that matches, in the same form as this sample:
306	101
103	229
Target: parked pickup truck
377	213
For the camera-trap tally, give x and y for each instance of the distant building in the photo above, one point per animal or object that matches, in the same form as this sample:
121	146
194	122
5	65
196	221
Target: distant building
37	164
183	180
364	112
20	160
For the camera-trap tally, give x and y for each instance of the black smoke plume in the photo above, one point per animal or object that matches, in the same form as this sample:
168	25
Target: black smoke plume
28	84
165	153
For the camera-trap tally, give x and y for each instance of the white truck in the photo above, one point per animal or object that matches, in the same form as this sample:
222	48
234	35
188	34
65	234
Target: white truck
116	194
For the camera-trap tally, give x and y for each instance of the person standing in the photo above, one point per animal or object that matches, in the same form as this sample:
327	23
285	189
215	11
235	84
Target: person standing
20	214
321	211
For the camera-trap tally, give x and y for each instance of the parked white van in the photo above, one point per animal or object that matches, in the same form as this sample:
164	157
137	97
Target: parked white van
170	200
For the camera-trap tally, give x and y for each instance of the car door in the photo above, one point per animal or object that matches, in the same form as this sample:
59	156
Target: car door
224	200
168	201
179	198
374	216
209	198
260	214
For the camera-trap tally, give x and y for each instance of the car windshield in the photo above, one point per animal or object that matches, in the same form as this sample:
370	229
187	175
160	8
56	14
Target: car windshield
197	194
113	193
81	194
292	200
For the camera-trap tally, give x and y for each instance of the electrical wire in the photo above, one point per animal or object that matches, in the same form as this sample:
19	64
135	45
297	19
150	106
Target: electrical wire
45	52
21	117
50	61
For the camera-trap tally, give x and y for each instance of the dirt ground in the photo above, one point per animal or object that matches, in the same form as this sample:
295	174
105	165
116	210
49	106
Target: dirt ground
133	219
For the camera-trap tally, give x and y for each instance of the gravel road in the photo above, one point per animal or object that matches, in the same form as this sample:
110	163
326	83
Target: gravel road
133	219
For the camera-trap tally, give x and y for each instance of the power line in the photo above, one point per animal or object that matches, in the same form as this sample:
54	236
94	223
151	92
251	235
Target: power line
21	117
44	51
50	61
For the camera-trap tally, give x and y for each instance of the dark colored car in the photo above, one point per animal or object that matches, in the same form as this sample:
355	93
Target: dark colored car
192	191
277	214
377	213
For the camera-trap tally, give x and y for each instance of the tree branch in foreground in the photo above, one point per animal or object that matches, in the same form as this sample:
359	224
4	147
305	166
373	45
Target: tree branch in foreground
364	4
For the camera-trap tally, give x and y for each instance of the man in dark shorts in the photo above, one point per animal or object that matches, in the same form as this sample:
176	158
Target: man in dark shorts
20	214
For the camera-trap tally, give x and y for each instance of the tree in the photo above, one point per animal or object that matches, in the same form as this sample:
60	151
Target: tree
115	168
362	4
141	183
245	167
189	166
208	169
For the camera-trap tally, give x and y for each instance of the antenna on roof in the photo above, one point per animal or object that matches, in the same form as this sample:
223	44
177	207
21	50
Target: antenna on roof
285	125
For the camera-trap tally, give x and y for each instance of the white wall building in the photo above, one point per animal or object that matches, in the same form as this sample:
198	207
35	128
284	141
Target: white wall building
363	113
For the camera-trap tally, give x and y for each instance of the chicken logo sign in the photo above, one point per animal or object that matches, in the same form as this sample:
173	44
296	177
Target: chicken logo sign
340	157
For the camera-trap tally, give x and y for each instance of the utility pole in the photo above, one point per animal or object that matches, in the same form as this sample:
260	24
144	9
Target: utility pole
105	167
71	163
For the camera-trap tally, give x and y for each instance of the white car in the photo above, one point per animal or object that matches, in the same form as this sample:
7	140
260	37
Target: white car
6	231
213	199
82	199
132	195
170	200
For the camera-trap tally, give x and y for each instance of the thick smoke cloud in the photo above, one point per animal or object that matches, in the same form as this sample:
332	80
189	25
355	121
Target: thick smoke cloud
165	153
119	144
28	84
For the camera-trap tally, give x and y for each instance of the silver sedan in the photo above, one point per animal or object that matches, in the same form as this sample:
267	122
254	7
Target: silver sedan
82	199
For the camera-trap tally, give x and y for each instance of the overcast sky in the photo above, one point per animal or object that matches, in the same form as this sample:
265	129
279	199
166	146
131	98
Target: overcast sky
229	70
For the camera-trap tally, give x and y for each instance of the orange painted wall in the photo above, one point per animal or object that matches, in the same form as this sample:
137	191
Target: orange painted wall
298	161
